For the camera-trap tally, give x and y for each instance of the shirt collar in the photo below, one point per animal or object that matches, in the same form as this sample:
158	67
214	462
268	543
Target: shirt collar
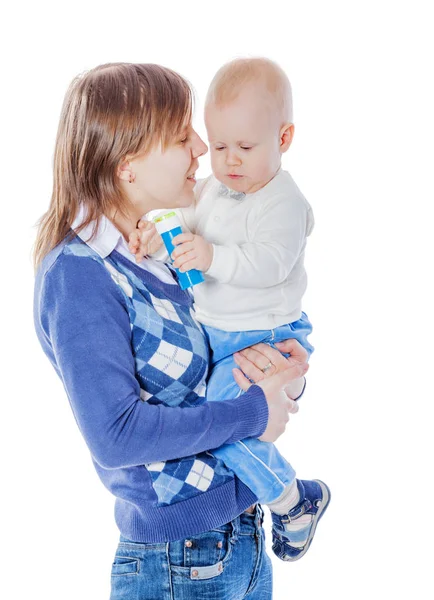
107	237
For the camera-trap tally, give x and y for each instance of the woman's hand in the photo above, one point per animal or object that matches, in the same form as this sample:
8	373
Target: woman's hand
261	361
144	240
279	405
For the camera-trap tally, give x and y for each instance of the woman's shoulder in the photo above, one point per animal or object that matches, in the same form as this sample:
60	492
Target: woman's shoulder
73	268
63	256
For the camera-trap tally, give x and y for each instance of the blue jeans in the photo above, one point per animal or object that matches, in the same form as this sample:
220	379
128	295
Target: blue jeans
258	464
226	563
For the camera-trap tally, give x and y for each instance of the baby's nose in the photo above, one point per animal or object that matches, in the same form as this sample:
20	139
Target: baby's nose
232	159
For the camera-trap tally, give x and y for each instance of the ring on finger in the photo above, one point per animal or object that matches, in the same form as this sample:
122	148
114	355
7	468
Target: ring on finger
267	367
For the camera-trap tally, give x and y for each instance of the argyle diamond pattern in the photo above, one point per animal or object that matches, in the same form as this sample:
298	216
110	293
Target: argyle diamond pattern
171	361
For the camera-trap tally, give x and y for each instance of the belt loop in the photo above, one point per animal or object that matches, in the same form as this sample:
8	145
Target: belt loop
235	525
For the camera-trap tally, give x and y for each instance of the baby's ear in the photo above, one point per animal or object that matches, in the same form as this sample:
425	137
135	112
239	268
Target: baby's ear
286	135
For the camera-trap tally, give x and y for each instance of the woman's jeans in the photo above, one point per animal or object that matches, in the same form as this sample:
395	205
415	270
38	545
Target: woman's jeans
226	563
258	464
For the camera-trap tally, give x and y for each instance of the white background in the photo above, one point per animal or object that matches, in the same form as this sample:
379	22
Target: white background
362	76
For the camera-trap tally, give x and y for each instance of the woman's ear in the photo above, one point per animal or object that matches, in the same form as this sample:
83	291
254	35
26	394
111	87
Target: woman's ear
286	134
124	171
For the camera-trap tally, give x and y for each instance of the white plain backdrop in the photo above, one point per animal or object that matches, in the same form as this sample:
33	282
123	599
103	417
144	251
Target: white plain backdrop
362	77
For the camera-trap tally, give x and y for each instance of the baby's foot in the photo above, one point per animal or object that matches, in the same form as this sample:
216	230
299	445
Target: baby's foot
293	532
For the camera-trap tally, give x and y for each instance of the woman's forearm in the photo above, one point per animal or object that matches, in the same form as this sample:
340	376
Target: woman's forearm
89	334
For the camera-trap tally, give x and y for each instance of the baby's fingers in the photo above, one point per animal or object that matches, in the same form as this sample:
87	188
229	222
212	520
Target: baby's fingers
134	240
145	225
155	243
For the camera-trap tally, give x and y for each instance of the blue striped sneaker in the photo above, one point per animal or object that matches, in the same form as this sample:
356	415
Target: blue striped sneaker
314	500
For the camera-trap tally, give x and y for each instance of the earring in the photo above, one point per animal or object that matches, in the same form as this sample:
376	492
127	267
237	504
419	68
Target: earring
131	178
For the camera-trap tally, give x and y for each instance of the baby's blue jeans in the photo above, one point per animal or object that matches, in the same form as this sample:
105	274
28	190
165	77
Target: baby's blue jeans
258	464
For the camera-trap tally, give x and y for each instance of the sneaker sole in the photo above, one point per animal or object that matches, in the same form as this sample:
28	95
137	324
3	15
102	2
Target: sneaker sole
326	495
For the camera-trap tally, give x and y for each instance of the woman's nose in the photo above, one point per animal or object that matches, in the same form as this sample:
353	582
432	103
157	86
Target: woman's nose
198	148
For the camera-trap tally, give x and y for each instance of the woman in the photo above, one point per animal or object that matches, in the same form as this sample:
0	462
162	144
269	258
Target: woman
132	358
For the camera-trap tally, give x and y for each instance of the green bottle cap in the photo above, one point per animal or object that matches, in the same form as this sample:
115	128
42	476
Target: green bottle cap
162	217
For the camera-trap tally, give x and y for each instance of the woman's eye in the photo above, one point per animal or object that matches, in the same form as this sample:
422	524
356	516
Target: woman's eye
184	140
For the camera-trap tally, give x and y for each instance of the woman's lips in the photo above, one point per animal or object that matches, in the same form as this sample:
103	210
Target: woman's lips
234	176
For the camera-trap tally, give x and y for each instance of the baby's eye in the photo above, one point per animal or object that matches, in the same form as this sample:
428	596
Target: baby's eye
246	147
219	148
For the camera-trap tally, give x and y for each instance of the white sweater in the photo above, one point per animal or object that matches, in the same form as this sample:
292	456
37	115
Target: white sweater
257	278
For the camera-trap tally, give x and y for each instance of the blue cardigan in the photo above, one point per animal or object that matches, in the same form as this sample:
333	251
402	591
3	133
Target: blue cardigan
134	363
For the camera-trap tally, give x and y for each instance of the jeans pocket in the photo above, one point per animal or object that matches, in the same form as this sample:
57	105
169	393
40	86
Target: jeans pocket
124	578
125	565
202	556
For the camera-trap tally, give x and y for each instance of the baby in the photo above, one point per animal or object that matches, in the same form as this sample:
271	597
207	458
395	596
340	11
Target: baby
247	232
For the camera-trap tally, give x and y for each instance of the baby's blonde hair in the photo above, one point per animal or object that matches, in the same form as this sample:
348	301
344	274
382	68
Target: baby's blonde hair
232	77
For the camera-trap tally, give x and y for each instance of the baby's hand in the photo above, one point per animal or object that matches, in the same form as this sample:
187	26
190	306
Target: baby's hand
144	240
191	252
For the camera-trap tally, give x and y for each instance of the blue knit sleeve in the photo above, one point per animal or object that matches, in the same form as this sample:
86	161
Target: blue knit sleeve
83	325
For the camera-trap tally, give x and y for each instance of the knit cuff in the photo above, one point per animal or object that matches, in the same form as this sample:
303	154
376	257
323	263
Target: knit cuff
222	264
252	411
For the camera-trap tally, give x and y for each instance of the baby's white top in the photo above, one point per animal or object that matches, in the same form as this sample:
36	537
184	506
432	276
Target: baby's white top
257	277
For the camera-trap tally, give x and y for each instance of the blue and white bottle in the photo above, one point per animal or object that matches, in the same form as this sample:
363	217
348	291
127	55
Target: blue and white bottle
169	226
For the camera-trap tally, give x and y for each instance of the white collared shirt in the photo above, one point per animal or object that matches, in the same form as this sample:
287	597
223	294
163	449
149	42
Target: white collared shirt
109	238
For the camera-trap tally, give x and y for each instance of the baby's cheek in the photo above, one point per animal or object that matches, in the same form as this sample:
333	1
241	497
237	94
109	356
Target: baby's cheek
265	167
218	156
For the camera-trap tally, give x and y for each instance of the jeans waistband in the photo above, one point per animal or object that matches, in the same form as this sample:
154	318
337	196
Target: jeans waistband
245	523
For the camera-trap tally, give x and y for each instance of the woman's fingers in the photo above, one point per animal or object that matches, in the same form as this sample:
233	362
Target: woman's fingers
294	348
244	384
293	406
255	359
252	368
279	405
241	380
293	371
261	355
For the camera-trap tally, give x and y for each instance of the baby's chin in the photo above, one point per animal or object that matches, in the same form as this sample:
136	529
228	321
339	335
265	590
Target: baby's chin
238	184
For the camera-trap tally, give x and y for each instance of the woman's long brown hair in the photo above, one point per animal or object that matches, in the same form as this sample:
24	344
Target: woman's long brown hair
114	111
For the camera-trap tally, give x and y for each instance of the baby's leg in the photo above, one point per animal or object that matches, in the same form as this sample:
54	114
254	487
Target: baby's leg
258	464
296	506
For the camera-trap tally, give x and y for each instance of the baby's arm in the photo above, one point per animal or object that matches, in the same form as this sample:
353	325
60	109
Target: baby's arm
279	236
